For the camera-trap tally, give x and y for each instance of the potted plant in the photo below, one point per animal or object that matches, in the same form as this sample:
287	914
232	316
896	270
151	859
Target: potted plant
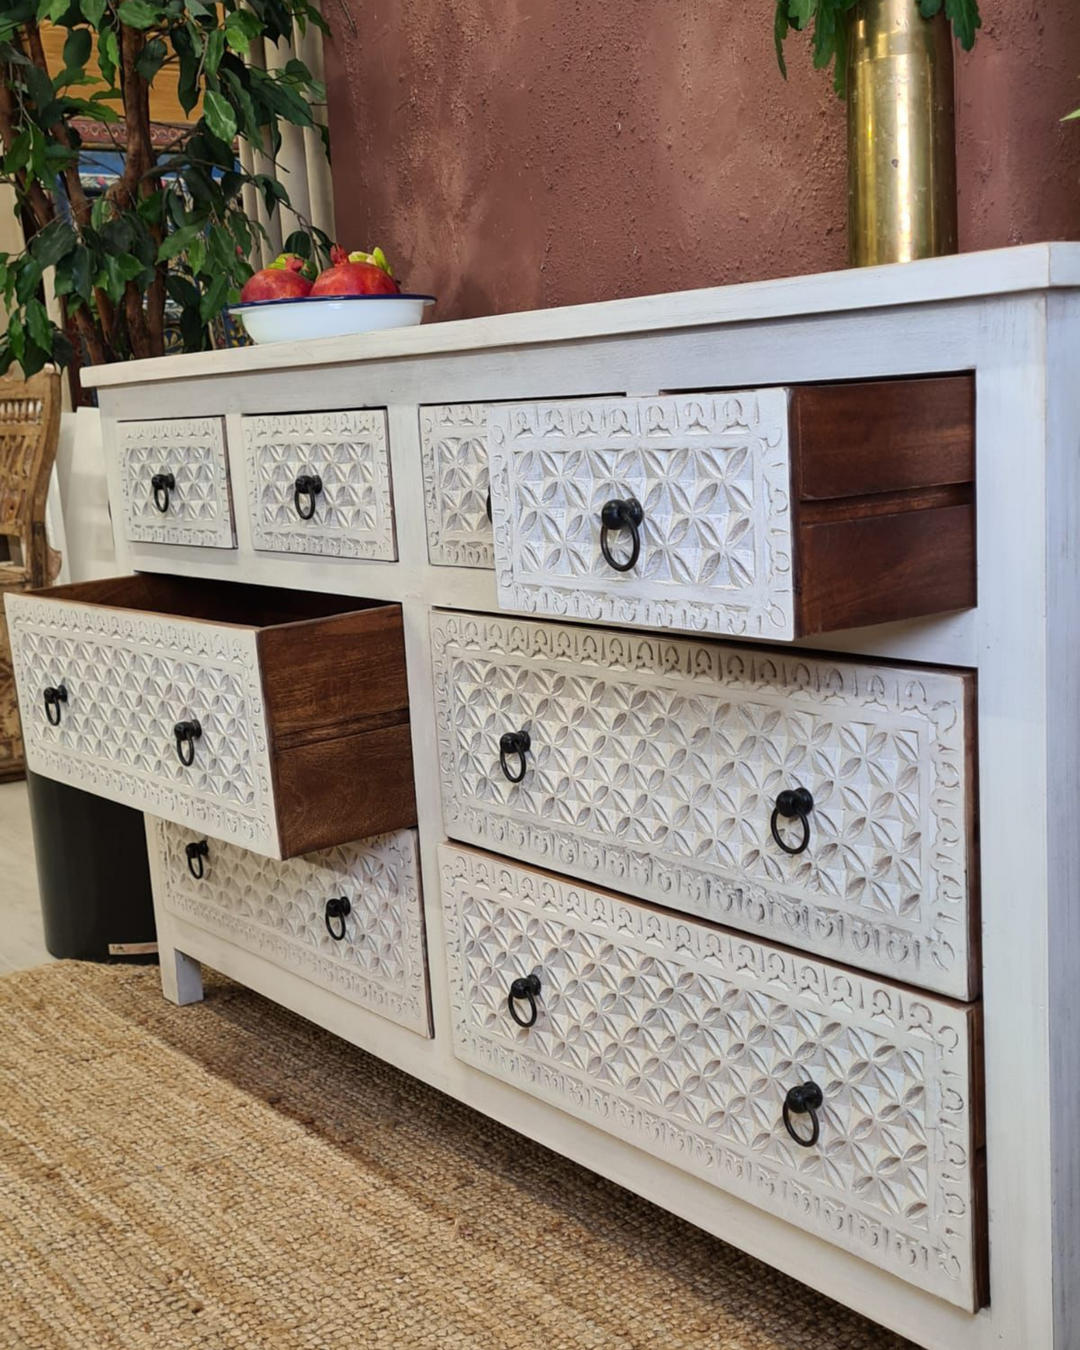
173	226
893	61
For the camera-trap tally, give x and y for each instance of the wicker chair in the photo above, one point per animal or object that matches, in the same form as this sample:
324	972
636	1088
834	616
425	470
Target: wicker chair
29	431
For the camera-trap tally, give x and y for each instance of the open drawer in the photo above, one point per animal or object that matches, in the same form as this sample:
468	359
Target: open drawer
272	719
772	513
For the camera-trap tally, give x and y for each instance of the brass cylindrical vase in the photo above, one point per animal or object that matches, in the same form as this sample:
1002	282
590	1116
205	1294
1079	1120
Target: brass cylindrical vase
901	134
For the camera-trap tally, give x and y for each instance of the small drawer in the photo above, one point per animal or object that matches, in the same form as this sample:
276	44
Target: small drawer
319	483
347	919
670	769
747	513
174	482
453	444
272	719
689	1042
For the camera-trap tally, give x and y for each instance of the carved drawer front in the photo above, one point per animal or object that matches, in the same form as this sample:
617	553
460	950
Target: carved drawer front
689	1042
348	919
237	710
660	767
453	443
174	482
320	483
748	513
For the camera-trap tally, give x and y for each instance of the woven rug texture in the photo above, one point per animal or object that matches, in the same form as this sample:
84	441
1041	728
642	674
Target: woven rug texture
229	1177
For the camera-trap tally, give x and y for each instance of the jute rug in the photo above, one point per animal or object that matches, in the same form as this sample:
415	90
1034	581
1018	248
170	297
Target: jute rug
227	1177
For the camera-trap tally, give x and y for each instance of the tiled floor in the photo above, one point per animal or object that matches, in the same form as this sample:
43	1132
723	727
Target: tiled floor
21	941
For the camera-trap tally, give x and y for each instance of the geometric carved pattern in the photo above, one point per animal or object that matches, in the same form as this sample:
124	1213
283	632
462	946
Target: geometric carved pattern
192	449
453	443
713	476
354	512
684	1039
129	679
655	764
277	910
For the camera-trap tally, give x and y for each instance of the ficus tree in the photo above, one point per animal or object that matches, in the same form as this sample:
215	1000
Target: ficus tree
173	225
828	22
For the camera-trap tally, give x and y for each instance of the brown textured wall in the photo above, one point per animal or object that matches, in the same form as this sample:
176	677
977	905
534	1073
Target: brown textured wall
513	154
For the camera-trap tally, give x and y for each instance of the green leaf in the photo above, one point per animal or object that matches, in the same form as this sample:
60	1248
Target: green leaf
1071	117
928	8
215	50
15	336
81	282
108	54
212	301
299	243
250	126
151	59
34	357
966	20
196	254
53	242
77	49
219	116
39	324
138	14
62	350
27	279
781	25
93	11
177	241
241	27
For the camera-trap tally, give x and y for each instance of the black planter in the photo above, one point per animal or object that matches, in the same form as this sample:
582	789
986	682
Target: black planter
93	874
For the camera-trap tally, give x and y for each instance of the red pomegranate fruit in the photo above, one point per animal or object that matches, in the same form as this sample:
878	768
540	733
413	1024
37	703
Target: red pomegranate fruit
284	279
355	274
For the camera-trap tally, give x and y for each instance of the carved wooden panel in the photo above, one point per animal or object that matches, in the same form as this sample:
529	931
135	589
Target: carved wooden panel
277	910
712	474
453	443
353	514
199	505
655	764
129	678
684	1040
12	760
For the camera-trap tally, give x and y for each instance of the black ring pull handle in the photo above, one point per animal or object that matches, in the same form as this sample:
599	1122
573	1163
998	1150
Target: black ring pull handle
162	484
196	852
54	696
487	505
806	1099
186	733
793	804
526	987
514	743
621	515
307	485
338	907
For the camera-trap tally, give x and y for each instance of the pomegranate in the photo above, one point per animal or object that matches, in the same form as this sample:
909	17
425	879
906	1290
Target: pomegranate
356	274
284	279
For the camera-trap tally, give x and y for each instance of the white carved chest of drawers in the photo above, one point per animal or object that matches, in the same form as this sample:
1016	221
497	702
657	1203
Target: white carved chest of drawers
744	864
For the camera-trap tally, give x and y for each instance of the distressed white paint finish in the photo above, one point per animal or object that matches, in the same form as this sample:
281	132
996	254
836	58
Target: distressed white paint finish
354	512
277	909
712	473
685	1039
655	765
453	442
199	509
129	678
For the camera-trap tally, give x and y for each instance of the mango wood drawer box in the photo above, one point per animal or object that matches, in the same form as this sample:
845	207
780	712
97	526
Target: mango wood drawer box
771	513
347	919
277	720
847	1106
821	802
319	483
174	482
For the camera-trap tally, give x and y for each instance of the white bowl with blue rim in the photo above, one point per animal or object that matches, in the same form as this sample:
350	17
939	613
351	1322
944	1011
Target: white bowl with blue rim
320	316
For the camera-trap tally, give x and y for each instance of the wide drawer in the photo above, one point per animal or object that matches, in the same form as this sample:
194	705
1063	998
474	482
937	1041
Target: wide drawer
453	446
319	483
655	766
369	949
771	513
273	719
174	482
688	1041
